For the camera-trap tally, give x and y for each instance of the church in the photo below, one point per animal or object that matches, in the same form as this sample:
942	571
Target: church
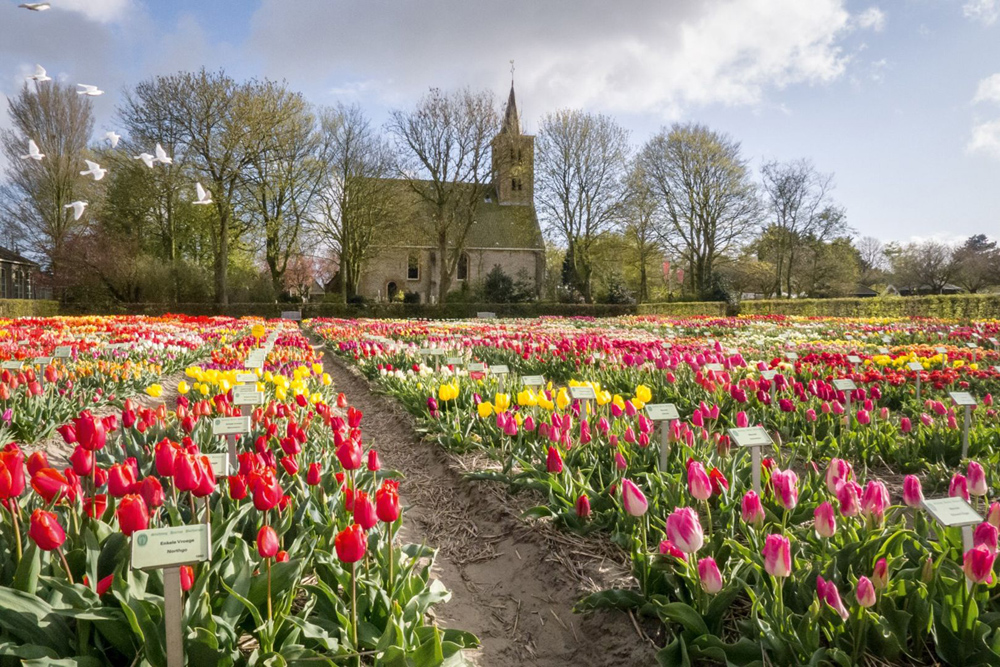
505	231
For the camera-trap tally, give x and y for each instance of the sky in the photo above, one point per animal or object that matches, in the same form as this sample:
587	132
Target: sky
899	99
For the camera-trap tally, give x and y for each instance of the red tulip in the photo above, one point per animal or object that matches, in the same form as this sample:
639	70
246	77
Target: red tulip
187	577
95	506
90	431
290	465
554	462
132	514
266	492
351	544
364	511
349	455
45	530
152	492
68	433
165	456
267	542
583	506
387	503
82	461
11	473
206	484
237	487
341	400
281	556
374	464
314	476
50	484
36	462
354	417
121	478
187	472
104	584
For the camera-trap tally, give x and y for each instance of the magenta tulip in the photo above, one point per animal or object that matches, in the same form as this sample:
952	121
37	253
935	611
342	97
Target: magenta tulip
699	485
913	495
977	479
825	520
753	511
786	488
959	487
865	593
632	498
777	554
978	564
684	530
711	578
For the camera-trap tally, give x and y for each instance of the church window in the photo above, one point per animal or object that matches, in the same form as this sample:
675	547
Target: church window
513	184
413	267
511	153
463	267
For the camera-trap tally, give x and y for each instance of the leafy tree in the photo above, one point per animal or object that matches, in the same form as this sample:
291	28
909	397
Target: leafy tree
977	263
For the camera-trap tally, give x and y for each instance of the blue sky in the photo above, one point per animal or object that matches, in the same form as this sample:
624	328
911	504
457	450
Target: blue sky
882	94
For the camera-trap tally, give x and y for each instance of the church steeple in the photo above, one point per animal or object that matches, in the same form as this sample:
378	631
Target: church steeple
511	119
513	157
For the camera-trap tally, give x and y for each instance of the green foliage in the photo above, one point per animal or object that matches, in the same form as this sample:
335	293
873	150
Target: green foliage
28	308
499	287
955	306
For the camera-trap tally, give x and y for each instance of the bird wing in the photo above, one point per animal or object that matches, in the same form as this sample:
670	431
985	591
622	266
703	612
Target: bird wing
92	166
200	190
32	147
160	153
39	71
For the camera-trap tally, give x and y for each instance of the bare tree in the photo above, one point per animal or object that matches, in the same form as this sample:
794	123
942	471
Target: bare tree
794	194
977	263
284	175
443	149
872	259
60	122
640	226
359	203
922	267
706	195
580	173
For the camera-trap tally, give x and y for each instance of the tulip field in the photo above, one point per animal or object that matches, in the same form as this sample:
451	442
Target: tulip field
302	562
858	525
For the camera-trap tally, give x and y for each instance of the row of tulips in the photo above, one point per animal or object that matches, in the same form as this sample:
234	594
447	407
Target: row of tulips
306	565
825	565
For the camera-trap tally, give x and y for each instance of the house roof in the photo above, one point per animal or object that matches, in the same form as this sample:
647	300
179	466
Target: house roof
496	225
864	290
14	258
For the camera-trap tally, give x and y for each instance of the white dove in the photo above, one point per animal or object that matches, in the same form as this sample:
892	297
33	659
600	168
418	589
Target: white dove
113	137
146	158
77	207
203	196
92	91
36	6
94	169
40	75
161	156
33	152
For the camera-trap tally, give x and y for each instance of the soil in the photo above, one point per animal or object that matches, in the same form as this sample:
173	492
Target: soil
513	583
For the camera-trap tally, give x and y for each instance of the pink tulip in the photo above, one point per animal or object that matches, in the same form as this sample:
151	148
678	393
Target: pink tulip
699	484
684	530
668	548
837	470
554	461
753	511
977	479
810	415
978	564
905	425
875	500
849	497
952	422
825	520
939	408
825	408
697	419
620	463
880	575
913	495
742	421
635	503
883	414
828	593
837	408
864	417
786	490
986	534
777	555
865	593
959	487
583	506
711	578
629	436
926	419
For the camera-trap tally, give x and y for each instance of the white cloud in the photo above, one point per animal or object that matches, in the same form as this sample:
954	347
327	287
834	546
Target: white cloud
985	138
102	11
653	57
872	18
988	90
983	11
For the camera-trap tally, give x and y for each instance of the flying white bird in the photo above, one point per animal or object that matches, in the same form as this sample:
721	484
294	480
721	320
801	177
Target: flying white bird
77	207
146	158
94	169
33	152
161	156
36	6
113	137
40	75
92	91
203	196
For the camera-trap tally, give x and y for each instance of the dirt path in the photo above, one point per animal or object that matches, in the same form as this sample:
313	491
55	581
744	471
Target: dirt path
513	584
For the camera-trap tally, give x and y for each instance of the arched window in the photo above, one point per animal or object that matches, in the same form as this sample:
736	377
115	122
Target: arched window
413	267
463	267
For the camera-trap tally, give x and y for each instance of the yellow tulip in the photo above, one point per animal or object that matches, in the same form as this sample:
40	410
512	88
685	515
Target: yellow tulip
182	387
154	390
327	380
203	388
562	398
317	369
502	402
485	409
526	398
643	393
280	393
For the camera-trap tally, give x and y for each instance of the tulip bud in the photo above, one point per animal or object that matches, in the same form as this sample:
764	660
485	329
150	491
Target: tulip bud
913	495
583	506
314	476
753	511
977	479
786	490
387	503
825	520
777	555
267	542
132	514
865	592
554	462
880	577
699	485
978	564
45	531
684	530
711	578
351	544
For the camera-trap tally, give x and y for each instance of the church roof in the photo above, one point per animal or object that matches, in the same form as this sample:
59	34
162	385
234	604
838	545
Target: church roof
14	258
511	118
496	225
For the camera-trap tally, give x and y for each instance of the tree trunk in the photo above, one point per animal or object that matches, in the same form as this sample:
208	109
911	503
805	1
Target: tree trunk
643	286
444	277
222	260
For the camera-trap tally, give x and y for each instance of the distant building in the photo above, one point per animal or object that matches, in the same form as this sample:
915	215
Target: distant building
863	292
18	276
505	232
922	290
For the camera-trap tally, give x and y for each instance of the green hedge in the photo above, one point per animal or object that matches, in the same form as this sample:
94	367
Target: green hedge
28	308
955	306
685	308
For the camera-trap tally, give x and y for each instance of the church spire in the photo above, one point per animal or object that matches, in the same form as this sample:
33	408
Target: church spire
511	119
